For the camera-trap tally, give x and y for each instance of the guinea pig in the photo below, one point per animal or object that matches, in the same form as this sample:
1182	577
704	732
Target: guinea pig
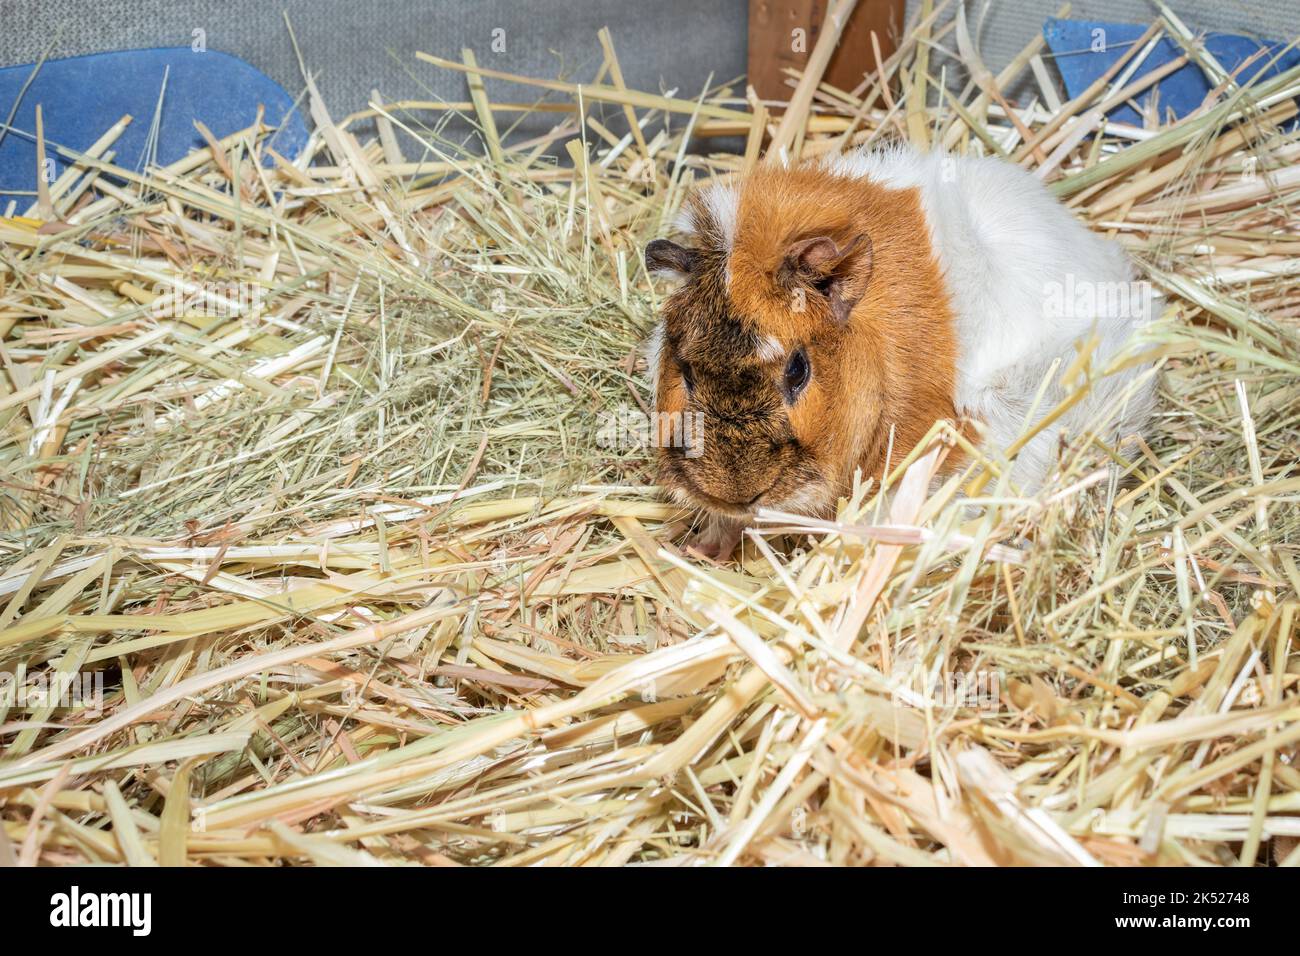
829	313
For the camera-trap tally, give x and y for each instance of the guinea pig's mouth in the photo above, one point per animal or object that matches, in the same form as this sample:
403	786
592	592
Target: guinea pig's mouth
736	509
732	509
796	487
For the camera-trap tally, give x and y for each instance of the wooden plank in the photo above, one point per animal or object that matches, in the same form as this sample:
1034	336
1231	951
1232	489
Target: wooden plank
774	44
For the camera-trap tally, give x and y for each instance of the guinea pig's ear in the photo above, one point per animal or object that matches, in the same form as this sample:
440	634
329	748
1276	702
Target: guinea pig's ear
841	273
664	257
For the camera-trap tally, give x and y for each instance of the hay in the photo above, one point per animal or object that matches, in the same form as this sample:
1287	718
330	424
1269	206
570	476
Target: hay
303	460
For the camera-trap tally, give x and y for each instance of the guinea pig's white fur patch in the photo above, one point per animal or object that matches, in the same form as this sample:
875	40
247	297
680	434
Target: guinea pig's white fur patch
654	346
770	349
721	209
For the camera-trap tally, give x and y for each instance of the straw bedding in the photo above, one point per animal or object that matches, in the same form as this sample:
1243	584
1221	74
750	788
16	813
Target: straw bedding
308	475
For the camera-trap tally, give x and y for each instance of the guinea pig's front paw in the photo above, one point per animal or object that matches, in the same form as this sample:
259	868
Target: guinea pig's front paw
717	540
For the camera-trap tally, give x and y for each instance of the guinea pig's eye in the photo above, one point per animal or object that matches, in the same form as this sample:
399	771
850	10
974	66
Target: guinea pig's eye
688	377
797	371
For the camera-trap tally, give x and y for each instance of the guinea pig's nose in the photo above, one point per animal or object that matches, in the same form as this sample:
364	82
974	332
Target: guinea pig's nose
742	503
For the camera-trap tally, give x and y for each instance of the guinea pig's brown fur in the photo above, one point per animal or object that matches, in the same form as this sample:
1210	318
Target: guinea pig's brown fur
839	267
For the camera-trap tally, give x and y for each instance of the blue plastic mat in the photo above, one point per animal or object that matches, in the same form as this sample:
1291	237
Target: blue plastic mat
1072	44
83	96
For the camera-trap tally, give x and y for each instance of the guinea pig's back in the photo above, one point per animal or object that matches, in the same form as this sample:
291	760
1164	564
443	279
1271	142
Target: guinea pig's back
1026	281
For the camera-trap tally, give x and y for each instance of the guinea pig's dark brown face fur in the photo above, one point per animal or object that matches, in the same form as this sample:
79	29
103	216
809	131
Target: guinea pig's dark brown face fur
736	412
774	376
